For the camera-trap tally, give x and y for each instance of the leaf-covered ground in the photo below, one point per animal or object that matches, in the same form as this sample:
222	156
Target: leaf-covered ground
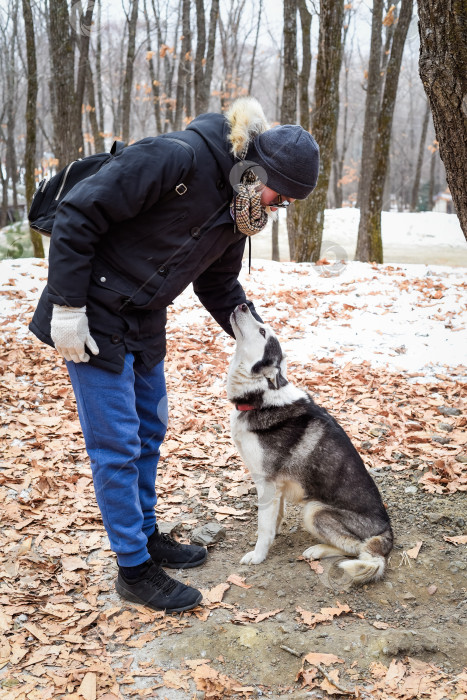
284	628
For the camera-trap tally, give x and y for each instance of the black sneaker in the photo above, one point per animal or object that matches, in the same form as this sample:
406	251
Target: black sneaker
158	590
166	551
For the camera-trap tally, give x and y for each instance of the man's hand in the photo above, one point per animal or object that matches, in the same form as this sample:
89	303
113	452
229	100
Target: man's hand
69	330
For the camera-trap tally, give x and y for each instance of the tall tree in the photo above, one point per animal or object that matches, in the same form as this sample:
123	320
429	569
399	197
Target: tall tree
132	20
372	104
304	77
183	101
369	242
66	94
289	93
443	70
421	152
205	53
308	217
31	112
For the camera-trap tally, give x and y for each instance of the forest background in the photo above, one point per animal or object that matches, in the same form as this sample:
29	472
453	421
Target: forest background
76	75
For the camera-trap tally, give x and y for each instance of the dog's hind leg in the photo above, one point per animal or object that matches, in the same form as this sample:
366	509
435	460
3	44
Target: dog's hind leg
330	526
269	504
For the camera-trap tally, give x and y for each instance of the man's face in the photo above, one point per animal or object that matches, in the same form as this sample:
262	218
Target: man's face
268	197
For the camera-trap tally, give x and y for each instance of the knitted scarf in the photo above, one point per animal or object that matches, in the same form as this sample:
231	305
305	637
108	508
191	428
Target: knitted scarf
247	211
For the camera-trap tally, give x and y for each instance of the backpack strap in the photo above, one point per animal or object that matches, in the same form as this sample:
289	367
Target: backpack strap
117	148
181	187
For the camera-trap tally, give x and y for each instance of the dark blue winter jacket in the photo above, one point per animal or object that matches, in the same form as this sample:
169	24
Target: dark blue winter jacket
125	255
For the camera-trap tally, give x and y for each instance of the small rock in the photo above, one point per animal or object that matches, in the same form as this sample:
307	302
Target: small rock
366	445
440	439
394	642
408	596
22	618
208	534
432	589
281	594
446	427
436	517
411	489
461	458
247	637
168	528
448	411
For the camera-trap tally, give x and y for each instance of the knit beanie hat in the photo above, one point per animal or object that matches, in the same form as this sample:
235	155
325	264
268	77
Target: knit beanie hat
290	157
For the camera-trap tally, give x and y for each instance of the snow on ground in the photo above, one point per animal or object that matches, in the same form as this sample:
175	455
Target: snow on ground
427	237
405	317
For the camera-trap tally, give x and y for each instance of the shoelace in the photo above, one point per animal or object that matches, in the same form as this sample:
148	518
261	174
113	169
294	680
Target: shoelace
163	581
166	539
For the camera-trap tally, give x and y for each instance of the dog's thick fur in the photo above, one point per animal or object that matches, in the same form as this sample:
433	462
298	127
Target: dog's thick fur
296	451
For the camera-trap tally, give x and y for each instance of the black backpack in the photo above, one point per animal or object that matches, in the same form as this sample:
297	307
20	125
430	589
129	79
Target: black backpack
50	193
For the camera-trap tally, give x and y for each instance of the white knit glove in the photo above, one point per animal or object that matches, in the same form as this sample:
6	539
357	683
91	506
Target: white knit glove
69	330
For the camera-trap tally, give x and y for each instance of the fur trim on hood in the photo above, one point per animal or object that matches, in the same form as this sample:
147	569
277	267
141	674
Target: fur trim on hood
247	120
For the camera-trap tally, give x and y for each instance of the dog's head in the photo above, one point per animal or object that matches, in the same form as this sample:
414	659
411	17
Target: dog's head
258	363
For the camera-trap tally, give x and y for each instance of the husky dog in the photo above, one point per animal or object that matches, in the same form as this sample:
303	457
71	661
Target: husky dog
296	451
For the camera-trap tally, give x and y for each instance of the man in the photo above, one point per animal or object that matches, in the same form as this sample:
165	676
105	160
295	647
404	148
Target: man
165	212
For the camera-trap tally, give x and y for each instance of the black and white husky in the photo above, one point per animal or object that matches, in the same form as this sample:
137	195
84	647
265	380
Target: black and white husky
297	452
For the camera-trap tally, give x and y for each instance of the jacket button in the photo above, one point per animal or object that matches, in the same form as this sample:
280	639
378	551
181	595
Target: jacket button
103	279
195	231
220	184
115	339
163	270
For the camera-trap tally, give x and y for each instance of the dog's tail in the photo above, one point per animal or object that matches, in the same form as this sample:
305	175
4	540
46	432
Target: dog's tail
371	562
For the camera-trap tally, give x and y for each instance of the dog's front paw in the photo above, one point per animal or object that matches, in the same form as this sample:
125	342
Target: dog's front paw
314	552
252	558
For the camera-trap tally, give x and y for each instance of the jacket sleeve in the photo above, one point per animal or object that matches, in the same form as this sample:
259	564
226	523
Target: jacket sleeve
126	186
218	287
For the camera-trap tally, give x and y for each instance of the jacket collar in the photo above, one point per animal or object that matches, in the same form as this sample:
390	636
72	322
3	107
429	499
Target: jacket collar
214	129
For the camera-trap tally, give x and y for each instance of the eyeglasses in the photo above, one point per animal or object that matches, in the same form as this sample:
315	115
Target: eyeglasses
280	204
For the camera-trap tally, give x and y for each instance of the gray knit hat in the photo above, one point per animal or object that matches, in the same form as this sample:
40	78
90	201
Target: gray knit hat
290	157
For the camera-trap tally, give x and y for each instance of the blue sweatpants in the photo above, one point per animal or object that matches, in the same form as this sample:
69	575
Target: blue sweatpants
124	420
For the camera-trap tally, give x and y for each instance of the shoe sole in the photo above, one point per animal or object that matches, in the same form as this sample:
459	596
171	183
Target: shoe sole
186	565
128	595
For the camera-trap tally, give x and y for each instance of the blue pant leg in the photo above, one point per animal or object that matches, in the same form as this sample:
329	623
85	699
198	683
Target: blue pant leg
107	411
152	410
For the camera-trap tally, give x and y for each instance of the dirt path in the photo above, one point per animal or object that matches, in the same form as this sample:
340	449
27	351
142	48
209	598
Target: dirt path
397	617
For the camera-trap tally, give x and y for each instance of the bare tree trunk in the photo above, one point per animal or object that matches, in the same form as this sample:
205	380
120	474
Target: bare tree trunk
99	145
421	151
155	82
289	89
98	77
204	60
372	105
443	70
182	80
128	78
304	77
308	219
210	55
31	110
255	47
66	101
11	106
370	245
